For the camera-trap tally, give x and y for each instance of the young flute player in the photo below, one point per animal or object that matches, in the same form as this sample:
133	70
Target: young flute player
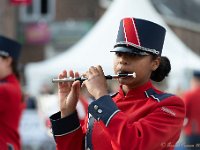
139	116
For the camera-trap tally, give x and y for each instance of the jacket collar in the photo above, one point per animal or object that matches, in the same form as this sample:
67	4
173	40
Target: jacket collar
10	77
138	92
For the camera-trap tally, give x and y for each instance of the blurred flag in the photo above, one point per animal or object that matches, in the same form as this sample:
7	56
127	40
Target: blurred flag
19	2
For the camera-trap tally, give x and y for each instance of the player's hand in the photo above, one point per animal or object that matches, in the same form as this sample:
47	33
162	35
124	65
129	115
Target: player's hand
96	83
68	93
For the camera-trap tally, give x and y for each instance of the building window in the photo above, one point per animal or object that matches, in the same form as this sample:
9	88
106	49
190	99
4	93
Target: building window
44	7
39	9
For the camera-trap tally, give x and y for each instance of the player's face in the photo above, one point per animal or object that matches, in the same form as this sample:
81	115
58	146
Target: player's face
4	66
129	63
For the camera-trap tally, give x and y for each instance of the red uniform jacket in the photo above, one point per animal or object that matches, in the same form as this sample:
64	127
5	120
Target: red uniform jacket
10	111
144	119
192	103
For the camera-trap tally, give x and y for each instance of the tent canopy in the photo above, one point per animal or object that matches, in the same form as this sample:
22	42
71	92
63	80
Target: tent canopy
94	48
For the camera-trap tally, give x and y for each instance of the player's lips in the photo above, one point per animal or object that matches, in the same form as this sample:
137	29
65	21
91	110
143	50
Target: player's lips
125	72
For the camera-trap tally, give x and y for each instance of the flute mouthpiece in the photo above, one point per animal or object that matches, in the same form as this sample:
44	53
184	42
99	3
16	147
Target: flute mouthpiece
134	75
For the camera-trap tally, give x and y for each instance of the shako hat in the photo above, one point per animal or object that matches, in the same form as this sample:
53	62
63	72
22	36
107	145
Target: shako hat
139	36
9	47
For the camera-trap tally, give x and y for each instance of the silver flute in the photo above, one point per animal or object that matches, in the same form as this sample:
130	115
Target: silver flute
81	79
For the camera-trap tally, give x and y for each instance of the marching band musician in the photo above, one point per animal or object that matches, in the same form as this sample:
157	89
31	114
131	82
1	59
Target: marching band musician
139	116
11	105
192	99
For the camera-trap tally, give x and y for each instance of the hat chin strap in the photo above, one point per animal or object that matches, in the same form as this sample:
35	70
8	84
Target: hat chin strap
138	47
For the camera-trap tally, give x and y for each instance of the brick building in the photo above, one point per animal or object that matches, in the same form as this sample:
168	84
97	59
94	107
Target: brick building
66	15
47	27
8	20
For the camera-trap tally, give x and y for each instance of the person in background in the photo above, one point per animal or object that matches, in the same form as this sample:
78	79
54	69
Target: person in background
11	105
138	116
192	103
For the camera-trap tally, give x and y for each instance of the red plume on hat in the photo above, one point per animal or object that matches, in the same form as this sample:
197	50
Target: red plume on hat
140	37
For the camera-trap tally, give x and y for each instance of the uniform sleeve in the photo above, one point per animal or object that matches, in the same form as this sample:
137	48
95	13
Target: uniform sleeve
153	131
67	132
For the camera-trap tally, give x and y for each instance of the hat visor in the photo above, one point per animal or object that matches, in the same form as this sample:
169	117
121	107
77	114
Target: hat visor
129	50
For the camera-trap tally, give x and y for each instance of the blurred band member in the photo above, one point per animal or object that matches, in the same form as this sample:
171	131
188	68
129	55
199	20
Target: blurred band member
10	95
192	103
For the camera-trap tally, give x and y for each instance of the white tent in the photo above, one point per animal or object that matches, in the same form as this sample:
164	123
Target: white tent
94	48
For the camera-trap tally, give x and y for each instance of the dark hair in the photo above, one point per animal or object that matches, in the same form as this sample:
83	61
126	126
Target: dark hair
14	66
162	71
